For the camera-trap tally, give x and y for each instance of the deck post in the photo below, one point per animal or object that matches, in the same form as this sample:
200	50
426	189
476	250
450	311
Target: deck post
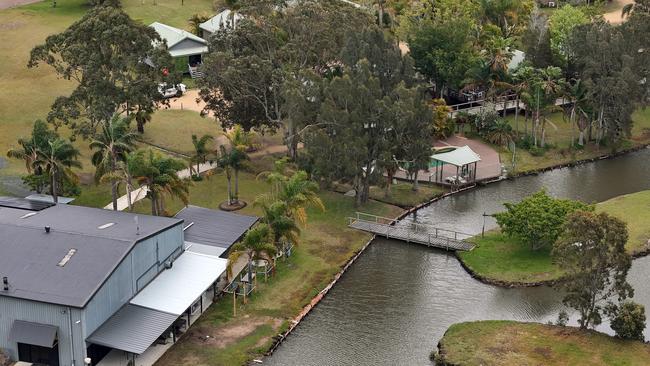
436	232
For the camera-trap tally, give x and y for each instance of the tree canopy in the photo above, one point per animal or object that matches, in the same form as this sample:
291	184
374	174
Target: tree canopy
114	62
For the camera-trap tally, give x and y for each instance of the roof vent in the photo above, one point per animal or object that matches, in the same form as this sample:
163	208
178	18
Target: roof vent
67	257
28	215
47	229
101	227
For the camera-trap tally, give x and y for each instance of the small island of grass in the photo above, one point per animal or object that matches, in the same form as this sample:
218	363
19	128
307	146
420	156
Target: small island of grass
514	343
507	261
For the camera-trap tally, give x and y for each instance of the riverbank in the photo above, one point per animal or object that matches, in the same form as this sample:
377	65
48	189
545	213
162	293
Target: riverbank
509	343
504	261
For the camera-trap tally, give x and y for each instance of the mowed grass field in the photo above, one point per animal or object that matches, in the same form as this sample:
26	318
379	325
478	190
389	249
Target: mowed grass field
27	94
508	343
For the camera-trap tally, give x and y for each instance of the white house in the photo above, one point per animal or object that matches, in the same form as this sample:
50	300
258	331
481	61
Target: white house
184	46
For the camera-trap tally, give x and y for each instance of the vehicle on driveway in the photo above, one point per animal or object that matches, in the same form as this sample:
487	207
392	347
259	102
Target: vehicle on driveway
171	91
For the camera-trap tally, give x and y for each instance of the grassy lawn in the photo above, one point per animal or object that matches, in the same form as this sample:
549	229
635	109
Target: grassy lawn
27	94
633	209
558	134
401	194
508	343
499	257
325	245
173	129
505	259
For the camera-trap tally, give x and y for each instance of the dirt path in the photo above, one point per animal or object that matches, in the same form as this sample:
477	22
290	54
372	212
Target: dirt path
614	16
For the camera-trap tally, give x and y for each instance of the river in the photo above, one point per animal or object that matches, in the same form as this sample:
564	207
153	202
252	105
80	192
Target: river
395	303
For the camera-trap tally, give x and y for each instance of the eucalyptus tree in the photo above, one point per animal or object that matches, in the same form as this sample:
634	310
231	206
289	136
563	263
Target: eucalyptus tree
111	145
116	63
248	67
608	64
56	160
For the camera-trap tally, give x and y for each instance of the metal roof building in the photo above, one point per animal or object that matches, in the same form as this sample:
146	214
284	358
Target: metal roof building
180	43
82	283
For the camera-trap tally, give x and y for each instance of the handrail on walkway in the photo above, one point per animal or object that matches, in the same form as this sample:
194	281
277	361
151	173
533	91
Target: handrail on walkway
412	226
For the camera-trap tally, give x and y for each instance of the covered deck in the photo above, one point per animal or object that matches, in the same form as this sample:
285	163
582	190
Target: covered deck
142	330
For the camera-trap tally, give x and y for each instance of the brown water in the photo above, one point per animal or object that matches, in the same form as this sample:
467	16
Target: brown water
396	301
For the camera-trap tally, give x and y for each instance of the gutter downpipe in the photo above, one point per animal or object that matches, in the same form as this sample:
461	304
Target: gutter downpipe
71	336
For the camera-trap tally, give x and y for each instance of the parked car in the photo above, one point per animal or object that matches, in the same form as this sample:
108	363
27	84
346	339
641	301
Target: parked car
172	91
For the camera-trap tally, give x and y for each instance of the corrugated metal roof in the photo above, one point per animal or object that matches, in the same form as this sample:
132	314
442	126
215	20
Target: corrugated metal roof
174	290
23	204
220	21
132	329
174	35
37	334
49	199
29	255
212	227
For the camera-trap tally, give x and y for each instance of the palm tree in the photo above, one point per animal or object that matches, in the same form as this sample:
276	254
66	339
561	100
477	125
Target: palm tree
283	228
121	175
255	245
240	138
57	160
112	144
297	192
160	174
230	161
500	134
196	20
201	150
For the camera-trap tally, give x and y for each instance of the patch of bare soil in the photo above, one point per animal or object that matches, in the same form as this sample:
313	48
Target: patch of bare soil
232	332
11	25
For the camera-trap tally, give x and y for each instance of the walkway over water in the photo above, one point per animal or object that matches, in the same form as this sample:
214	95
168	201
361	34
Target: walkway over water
411	232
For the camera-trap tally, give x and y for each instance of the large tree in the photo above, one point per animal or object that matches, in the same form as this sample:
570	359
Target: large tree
538	219
607	64
248	67
28	152
591	253
115	65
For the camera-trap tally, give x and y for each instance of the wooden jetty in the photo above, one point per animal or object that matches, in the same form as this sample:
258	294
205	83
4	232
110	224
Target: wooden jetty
411	232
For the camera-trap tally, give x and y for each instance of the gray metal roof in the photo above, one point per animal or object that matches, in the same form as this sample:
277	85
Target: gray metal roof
212	227
31	258
132	329
37	334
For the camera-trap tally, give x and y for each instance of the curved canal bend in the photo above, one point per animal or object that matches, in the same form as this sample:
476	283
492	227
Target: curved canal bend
394	304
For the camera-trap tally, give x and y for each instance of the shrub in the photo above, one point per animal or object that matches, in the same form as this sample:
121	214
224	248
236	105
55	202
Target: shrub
4	358
538	219
562	319
629	320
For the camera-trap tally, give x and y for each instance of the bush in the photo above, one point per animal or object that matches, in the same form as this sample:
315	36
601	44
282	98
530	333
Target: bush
538	219
562	319
629	321
536	151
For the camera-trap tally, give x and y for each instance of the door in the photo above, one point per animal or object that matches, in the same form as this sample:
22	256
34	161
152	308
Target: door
40	356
